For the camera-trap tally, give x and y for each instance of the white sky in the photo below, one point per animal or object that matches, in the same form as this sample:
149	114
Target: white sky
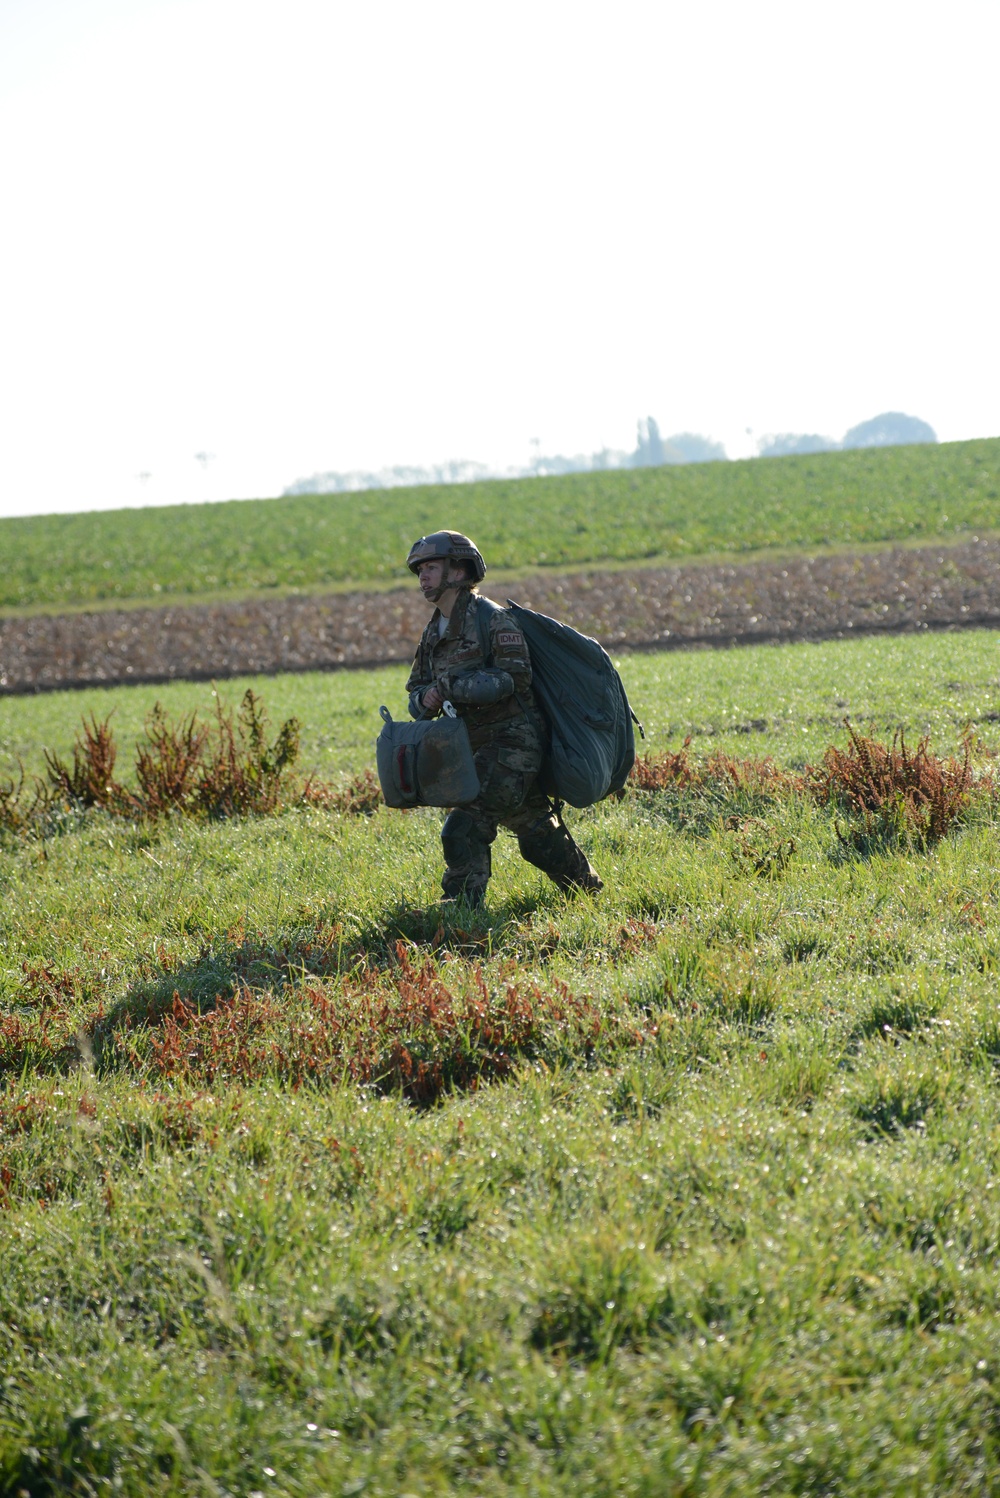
312	234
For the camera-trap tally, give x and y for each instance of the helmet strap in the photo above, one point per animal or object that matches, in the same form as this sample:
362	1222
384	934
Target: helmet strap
450	585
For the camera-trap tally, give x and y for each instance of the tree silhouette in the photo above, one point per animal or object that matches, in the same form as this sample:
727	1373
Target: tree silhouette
782	444
891	429
649	445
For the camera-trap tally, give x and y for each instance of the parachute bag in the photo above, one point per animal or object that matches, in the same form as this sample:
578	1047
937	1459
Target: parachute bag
426	763
591	747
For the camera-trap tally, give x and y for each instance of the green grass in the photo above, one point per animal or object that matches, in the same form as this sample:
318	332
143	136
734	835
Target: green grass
738	1235
786	700
309	541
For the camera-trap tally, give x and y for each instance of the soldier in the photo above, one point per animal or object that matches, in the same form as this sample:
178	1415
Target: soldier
506	730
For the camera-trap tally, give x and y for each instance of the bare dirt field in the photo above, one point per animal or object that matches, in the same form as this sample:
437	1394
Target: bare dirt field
628	609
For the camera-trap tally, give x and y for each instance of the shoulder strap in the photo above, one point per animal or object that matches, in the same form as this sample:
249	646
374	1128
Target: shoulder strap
484	608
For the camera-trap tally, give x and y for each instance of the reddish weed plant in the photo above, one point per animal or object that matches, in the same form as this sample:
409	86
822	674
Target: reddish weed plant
45	1042
893	791
45	985
417	1035
672	768
896	790
167	765
20	809
90	781
676	769
361	796
241	774
224	769
229	767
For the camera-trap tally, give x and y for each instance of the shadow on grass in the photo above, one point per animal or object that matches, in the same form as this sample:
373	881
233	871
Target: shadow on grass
863	845
234	961
460	928
419	1026
257	962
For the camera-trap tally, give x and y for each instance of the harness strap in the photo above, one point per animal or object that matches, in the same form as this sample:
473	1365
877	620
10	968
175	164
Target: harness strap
484	607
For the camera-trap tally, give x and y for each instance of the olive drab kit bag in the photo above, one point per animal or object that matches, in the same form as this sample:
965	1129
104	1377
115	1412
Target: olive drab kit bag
426	763
591	746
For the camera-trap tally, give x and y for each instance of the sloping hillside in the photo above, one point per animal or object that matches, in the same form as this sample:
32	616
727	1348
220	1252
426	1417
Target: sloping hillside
315	542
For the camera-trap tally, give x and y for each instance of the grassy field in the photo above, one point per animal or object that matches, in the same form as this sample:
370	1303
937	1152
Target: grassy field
313	541
722	1217
789	701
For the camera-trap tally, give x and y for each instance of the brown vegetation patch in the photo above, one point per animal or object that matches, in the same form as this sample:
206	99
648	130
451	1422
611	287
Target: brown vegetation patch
677	769
890	790
416	1033
361	796
46	986
46	1042
222	769
893	788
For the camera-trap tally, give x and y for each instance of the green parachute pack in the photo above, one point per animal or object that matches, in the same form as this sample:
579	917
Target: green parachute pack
591	747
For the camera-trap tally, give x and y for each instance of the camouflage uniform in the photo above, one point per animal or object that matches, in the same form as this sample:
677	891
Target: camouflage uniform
507	738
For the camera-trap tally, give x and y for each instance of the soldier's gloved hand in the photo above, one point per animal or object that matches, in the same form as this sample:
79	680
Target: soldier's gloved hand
481	688
415	702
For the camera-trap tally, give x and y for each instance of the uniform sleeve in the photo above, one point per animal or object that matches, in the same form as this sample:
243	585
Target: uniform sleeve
510	650
417	683
415	704
482	688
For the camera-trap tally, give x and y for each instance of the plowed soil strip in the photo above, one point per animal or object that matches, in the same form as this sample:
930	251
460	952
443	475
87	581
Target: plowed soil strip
646	608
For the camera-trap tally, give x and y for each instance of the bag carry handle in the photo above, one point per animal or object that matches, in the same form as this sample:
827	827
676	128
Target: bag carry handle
404	769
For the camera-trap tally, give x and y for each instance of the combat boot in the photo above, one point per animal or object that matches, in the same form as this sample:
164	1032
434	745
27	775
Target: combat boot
468	863
474	897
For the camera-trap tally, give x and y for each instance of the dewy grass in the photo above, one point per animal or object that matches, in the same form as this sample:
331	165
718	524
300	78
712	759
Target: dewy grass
422	1034
697	1192
230	769
308	541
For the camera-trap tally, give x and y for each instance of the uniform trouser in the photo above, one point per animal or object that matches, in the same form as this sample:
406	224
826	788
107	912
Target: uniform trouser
507	766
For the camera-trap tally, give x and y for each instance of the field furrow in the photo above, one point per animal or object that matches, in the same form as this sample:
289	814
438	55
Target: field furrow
803	597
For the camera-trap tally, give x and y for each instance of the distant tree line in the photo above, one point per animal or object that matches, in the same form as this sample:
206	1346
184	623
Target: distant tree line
683	447
891	429
652	450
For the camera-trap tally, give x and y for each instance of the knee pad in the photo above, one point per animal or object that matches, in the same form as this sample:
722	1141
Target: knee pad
462	838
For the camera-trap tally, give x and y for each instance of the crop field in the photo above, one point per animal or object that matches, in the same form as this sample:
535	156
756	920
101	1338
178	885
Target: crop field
353	540
307	1187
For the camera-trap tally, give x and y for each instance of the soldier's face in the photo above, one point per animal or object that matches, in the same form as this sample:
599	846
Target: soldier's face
431	574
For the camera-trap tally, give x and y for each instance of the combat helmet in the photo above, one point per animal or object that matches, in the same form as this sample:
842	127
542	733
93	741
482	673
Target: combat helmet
440	544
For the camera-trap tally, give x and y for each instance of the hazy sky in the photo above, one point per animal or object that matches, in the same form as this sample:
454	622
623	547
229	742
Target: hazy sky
301	235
